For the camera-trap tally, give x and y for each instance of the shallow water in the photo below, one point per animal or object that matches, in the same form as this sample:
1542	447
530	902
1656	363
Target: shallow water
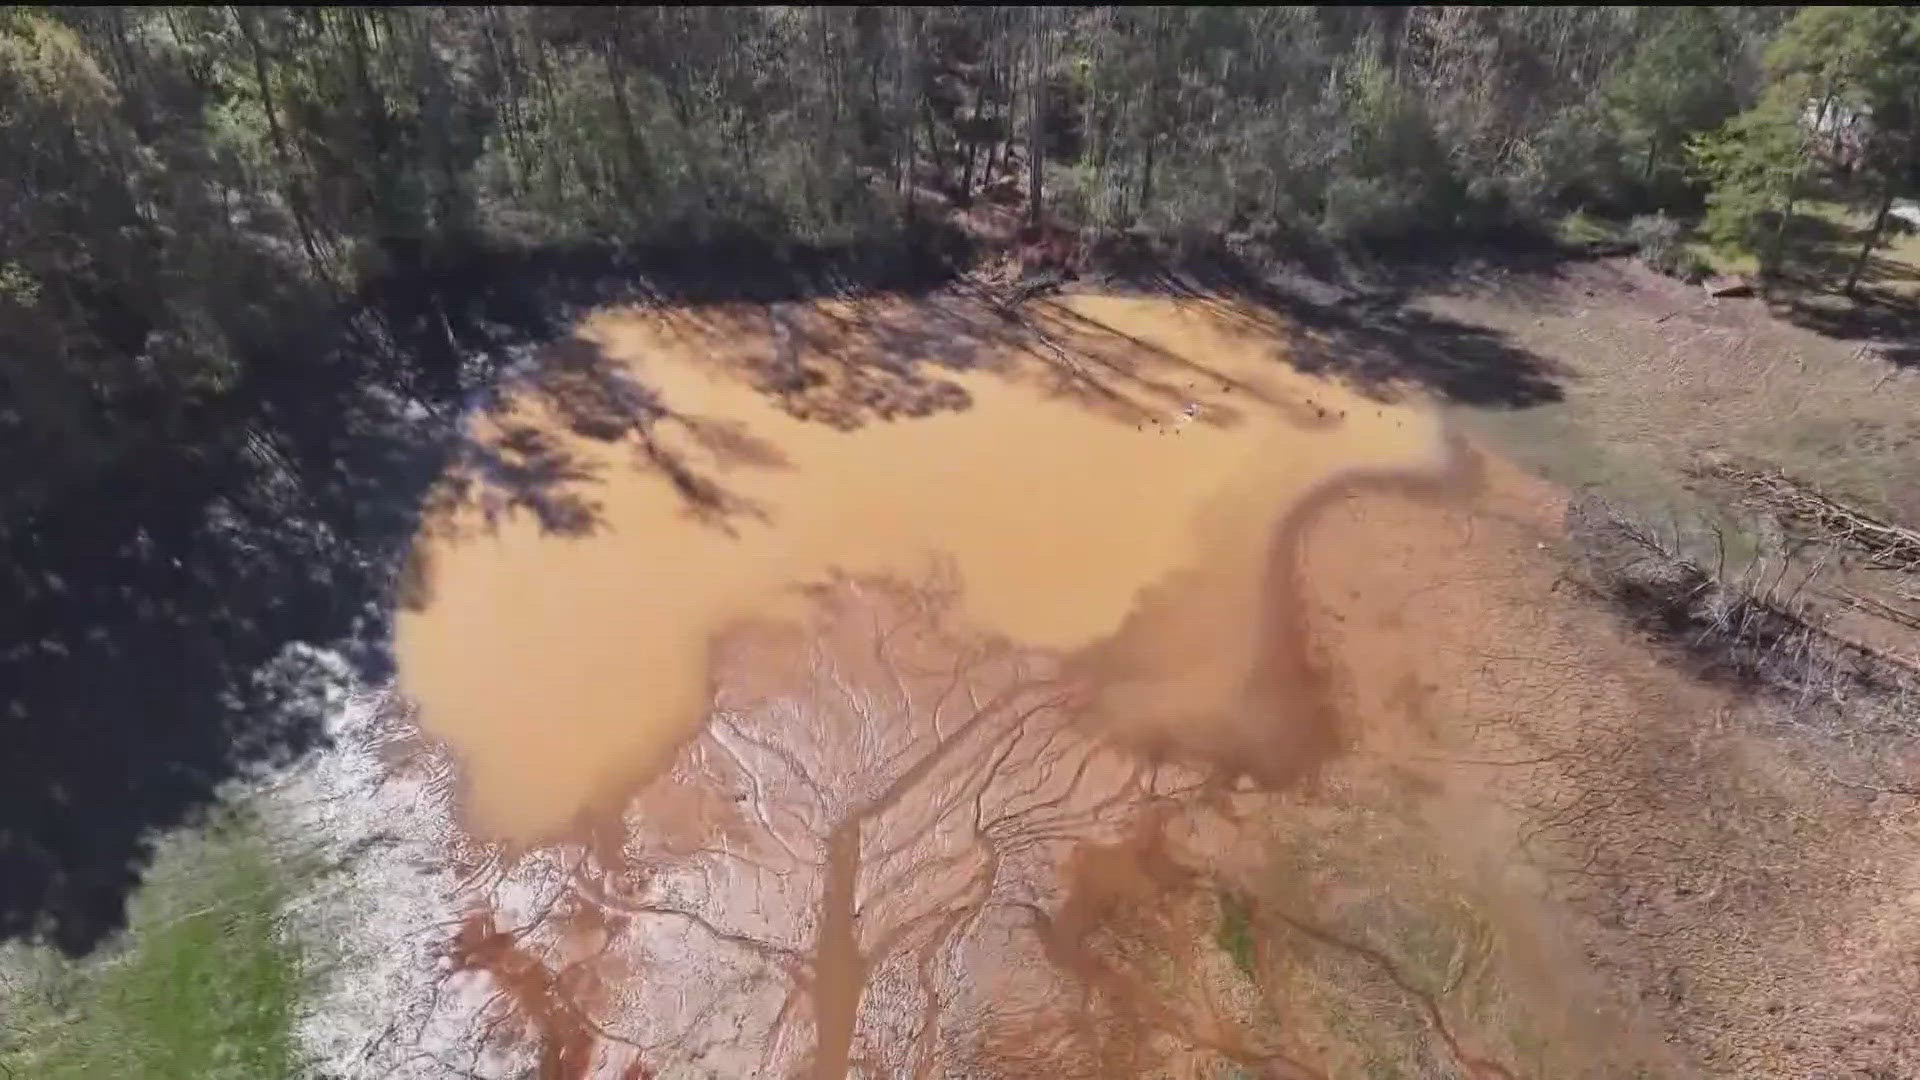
1108	485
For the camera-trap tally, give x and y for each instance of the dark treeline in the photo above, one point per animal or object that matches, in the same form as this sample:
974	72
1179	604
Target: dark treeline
253	261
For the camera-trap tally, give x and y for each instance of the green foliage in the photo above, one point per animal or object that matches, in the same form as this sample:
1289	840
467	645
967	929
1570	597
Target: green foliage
204	986
18	285
1395	173
1580	230
1377	124
1841	110
1673	86
1756	165
1661	243
1235	933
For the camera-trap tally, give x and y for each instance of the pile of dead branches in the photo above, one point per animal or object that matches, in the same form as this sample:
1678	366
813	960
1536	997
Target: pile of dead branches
1887	546
1742	627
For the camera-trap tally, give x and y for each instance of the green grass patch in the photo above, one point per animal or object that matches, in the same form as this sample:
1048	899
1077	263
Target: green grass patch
1904	250
1581	230
1561	443
1723	262
1235	933
1837	233
205	982
1821	244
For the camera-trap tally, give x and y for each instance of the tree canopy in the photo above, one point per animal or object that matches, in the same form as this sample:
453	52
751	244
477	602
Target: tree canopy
1840	108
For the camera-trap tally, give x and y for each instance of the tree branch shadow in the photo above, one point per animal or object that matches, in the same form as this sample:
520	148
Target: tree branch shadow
1888	322
191	619
1367	335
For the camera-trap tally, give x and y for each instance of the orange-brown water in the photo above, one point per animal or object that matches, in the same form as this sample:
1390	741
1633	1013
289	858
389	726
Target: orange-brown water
1125	467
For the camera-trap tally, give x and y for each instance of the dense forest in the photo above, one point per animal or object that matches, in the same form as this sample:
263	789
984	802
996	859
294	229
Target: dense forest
254	262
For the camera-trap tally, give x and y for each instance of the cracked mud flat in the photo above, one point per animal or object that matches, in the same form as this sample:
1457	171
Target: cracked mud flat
813	708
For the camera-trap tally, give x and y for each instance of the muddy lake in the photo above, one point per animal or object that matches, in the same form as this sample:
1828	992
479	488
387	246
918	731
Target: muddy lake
887	688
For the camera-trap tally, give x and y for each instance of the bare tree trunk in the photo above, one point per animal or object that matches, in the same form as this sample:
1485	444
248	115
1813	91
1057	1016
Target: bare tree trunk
296	197
513	124
831	69
910	76
997	98
373	111
1152	108
1146	176
909	89
1777	249
637	165
973	151
1872	239
1036	107
936	151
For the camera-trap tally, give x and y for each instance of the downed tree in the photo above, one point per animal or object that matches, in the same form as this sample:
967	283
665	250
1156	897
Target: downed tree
1877	608
1888	546
1732	628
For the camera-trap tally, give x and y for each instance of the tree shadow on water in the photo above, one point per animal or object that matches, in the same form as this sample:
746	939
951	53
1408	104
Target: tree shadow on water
524	468
1358	325
547	444
1380	344
192	617
845	364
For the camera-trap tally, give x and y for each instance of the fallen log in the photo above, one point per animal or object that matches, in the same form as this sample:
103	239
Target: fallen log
1876	608
1731	285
